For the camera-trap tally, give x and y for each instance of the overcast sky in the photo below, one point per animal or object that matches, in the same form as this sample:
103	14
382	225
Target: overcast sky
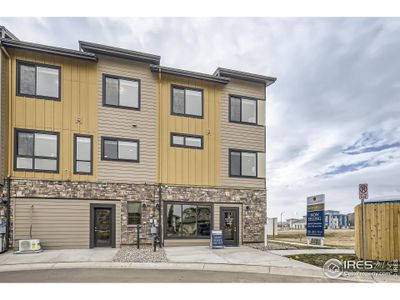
333	116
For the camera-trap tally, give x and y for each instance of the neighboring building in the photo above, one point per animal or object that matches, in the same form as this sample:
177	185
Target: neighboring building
100	140
335	220
297	223
350	217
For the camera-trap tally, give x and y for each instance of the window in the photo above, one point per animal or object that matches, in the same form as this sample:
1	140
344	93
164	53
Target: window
134	213
186	141
120	149
36	151
243	110
242	163
188	220
121	92
83	154
37	80
187	102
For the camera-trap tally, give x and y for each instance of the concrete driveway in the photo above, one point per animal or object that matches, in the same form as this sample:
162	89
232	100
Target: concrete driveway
236	256
59	256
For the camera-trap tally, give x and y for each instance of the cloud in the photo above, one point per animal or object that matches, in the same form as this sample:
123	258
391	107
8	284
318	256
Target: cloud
334	109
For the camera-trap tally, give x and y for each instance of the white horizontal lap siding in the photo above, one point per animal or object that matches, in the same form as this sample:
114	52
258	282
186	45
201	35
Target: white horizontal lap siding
118	122
58	223
240	136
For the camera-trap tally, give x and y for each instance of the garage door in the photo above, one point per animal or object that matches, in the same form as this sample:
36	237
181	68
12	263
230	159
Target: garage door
58	223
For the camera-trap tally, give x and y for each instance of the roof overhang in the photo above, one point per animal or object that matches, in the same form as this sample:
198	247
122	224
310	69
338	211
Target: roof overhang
8	43
119	52
189	74
5	33
223	72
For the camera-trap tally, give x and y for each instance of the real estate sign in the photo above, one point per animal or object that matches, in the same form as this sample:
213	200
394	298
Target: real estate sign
315	218
217	240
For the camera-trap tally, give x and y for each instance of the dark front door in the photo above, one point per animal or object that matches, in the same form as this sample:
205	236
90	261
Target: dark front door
229	224
103	226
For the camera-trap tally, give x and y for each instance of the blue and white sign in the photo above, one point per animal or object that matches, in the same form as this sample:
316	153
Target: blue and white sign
217	241
315	218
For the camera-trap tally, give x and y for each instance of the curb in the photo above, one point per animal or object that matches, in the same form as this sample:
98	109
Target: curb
273	270
235	268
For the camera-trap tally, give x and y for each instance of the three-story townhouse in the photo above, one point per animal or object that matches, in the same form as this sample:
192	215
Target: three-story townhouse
98	141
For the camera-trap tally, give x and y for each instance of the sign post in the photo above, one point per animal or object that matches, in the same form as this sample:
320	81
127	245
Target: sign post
315	219
363	194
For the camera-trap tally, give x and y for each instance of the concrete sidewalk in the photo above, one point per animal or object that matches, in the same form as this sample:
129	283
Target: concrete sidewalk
311	251
241	256
59	256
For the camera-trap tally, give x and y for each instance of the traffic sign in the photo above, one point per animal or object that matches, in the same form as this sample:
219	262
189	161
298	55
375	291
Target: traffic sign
363	190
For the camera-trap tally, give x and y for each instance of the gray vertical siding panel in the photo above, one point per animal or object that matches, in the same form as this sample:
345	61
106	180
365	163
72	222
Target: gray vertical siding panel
240	136
117	122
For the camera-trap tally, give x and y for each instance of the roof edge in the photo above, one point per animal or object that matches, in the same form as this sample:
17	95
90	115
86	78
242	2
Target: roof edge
48	49
90	47
190	74
244	76
9	33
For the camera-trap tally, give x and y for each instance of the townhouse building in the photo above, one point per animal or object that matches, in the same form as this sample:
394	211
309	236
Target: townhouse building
99	140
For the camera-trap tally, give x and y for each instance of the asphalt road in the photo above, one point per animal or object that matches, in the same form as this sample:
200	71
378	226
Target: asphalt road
155	276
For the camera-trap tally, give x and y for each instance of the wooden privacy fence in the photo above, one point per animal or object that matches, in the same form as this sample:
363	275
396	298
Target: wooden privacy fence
382	230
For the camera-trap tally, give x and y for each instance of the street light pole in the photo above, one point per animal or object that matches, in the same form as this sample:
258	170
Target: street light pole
282	219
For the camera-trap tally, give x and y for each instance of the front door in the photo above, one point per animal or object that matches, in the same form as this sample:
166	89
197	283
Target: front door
103	227
229	224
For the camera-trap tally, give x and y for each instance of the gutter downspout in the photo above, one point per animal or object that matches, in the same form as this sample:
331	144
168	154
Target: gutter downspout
161	231
8	213
8	179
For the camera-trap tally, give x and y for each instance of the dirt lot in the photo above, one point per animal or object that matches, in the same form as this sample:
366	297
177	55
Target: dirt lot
342	238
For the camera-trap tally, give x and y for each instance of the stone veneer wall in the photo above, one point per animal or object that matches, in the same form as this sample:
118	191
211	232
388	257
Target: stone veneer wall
254	217
147	194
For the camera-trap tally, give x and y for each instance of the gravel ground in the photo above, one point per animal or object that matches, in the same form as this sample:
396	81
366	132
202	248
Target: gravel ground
144	255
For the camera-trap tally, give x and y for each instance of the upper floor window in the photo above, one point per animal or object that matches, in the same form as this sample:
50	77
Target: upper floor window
242	163
38	80
187	102
83	161
120	149
36	151
121	92
186	140
243	110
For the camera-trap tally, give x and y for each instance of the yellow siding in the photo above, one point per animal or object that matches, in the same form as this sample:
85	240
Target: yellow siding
183	165
75	113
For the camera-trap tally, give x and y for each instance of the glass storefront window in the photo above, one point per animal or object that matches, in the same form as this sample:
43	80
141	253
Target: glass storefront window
188	220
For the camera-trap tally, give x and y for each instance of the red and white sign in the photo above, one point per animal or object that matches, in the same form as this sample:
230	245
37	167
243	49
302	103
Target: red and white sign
363	190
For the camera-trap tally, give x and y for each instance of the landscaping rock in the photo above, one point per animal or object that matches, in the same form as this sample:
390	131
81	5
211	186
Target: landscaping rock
143	255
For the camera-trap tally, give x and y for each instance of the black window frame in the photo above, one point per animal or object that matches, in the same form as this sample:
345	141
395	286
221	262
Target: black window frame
105	76
242	151
35	65
76	135
241	99
184	135
33	157
127	213
179	87
185	202
116	139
